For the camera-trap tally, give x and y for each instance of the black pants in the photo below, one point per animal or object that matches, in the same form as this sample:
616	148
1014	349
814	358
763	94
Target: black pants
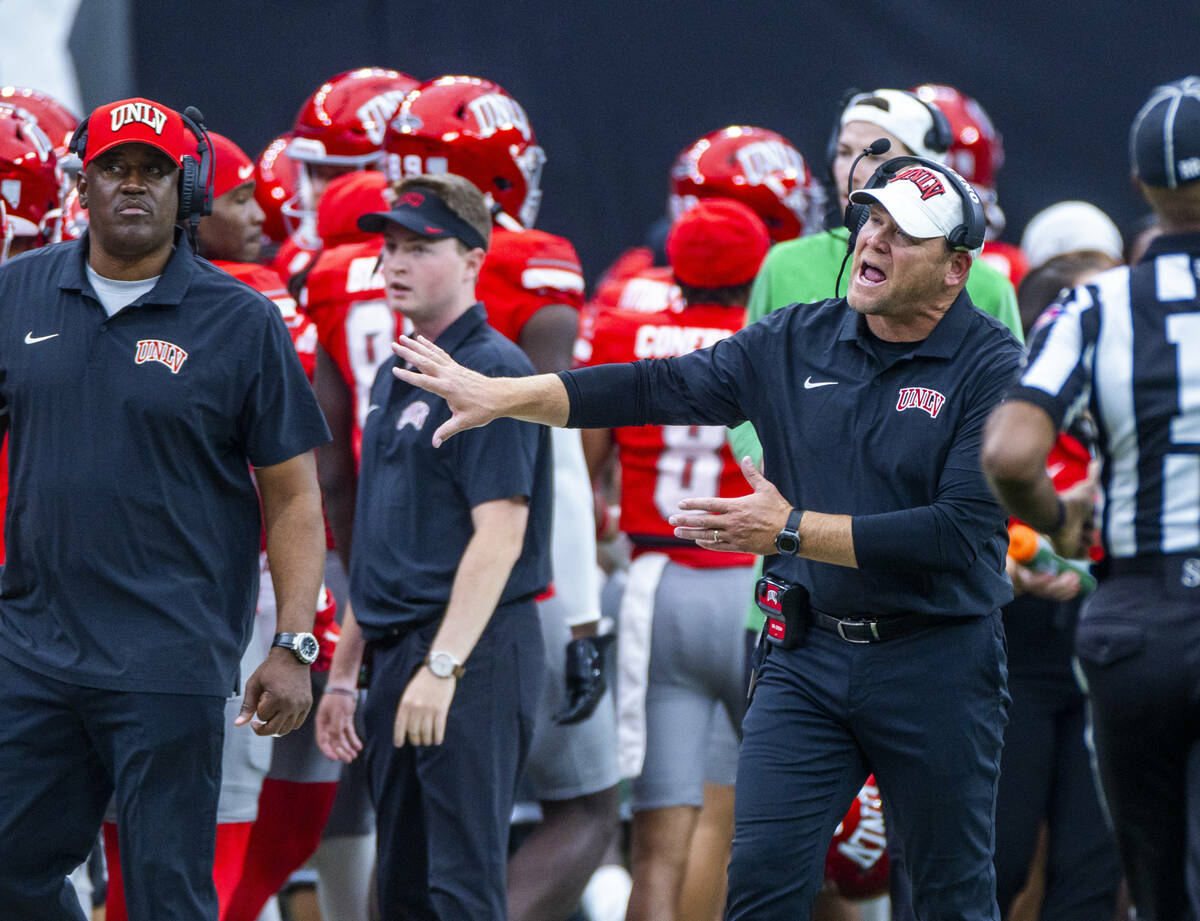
926	713
442	812
63	751
1139	645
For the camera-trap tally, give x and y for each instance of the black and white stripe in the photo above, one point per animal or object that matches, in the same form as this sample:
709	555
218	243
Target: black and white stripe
1127	346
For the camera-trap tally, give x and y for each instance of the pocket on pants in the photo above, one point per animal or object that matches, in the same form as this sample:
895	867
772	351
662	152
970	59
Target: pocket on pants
1103	643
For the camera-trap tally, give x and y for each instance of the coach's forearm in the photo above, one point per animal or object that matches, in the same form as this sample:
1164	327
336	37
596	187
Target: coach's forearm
540	398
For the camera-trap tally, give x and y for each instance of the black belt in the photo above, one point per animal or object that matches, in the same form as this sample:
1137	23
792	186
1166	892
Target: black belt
874	629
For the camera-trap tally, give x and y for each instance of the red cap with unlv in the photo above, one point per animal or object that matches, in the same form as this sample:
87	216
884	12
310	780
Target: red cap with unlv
137	121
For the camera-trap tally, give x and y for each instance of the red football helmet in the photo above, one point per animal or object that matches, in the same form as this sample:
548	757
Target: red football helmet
30	181
471	127
977	151
339	128
5	233
757	167
75	218
275	186
857	861
55	119
343	122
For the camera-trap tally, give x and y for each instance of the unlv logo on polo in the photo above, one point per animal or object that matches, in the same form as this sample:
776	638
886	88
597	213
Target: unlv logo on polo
414	414
493	112
166	353
924	179
140	112
920	398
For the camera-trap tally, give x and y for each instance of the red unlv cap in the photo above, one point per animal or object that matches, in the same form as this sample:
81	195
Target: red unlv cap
718	243
231	166
137	121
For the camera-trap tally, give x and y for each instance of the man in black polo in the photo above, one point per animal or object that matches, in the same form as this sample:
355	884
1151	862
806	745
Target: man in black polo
1126	346
450	549
870	419
138	385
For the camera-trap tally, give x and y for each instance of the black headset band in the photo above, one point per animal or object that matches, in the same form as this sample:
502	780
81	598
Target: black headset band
195	179
970	233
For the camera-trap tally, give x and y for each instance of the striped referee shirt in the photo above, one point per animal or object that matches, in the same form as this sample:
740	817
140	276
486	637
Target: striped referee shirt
1127	346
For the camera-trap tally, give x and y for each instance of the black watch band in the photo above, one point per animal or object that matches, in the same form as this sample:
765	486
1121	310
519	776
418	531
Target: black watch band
787	541
304	646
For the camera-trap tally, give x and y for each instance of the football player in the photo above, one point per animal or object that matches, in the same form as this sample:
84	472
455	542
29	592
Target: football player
682	620
29	199
339	129
759	168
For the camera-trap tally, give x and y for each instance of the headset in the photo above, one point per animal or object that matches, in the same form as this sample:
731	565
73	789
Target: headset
966	236
195	178
938	137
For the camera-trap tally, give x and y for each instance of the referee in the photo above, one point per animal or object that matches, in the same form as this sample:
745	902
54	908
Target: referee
1127	346
870	409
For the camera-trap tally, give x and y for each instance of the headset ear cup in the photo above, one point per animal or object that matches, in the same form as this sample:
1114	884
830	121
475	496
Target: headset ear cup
188	179
856	220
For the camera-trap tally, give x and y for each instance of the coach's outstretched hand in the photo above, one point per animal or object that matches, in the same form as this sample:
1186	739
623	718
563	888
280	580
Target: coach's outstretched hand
465	391
747	524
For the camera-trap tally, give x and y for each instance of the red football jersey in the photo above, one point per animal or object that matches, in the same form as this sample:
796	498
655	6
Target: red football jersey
344	296
267	282
526	270
291	259
661	464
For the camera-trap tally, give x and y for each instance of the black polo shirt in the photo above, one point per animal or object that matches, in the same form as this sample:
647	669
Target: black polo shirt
133	524
412	520
850	425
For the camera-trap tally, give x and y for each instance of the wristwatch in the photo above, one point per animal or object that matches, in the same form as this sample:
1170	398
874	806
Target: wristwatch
444	665
304	646
788	540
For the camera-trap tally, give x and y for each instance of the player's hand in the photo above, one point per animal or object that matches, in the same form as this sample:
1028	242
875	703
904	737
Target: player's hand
747	524
1061	586
424	706
1074	538
278	695
335	726
585	678
465	391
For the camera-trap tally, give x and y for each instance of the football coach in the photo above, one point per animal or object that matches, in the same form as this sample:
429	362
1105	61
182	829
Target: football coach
139	384
884	648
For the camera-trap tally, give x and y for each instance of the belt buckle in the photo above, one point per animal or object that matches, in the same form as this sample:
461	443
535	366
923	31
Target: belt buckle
872	625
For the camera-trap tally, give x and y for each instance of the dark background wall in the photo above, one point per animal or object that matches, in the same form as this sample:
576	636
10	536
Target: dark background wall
616	89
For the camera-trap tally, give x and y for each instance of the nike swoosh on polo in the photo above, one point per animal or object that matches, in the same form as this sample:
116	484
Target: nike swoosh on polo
30	338
809	383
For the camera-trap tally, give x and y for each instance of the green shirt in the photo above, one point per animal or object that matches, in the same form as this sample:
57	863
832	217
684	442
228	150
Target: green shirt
803	271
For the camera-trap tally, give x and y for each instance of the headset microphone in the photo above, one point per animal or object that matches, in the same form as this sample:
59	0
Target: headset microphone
856	215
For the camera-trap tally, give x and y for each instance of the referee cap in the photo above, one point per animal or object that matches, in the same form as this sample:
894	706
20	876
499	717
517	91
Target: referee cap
1164	142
